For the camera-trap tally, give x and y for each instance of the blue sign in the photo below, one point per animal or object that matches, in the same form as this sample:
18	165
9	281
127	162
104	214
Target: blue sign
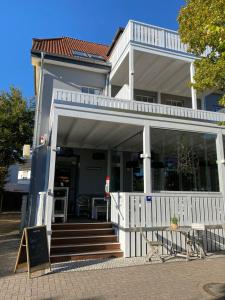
149	198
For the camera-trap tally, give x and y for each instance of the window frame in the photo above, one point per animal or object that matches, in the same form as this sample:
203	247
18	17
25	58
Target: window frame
100	91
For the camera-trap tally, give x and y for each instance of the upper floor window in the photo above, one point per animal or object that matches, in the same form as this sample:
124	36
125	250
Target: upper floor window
143	98
90	90
175	102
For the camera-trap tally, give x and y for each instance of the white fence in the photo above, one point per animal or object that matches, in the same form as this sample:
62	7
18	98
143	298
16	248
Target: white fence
136	106
130	211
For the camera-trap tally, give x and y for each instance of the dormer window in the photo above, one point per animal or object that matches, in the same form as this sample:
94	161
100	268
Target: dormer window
88	55
95	56
80	53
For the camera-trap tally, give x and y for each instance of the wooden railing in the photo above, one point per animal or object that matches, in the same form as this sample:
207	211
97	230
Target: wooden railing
149	35
96	101
130	211
156	36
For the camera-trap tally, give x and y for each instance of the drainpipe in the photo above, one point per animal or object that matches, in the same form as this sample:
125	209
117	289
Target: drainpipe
38	106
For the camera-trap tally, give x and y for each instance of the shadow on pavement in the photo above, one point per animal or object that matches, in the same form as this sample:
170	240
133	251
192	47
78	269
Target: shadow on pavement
9	242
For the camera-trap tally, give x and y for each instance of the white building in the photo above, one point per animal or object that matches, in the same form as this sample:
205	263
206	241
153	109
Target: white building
127	111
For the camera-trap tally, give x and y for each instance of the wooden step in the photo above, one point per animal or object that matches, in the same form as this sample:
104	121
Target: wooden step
88	255
83	240
82	248
82	232
75	226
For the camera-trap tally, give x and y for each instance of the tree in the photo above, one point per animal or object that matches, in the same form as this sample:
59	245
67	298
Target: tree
16	129
202	28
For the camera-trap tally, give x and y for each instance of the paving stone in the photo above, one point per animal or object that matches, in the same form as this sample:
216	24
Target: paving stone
120	278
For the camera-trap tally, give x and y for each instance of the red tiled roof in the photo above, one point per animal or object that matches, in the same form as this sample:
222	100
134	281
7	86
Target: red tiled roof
65	46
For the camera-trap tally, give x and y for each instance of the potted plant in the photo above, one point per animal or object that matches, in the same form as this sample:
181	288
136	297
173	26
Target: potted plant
174	223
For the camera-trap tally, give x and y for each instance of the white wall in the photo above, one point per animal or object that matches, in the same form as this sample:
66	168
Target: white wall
60	77
123	92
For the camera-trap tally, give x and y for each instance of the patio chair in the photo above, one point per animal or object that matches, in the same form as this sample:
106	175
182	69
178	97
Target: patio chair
83	205
60	204
198	238
153	248
99	207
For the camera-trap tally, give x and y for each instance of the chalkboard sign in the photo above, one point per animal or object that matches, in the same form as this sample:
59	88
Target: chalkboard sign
33	251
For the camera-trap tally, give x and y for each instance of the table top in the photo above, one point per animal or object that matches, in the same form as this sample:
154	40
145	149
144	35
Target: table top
179	229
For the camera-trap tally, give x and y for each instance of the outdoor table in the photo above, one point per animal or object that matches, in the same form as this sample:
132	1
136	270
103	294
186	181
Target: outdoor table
189	241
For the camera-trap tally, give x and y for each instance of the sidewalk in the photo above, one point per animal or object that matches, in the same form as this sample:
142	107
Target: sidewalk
174	280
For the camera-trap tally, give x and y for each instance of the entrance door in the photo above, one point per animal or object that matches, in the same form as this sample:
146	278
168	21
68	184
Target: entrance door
67	175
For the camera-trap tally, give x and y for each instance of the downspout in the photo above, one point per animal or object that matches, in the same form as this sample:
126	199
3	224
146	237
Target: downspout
38	106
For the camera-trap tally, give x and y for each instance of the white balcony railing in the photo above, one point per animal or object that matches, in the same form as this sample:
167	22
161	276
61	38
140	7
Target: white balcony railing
148	35
156	36
96	101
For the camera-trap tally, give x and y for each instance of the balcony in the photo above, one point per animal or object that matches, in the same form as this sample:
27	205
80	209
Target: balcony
132	106
151	36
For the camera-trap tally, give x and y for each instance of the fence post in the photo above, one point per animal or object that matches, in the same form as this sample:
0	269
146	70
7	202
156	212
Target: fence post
124	223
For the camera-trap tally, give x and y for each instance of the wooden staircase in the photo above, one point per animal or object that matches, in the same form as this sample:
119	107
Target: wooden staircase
76	241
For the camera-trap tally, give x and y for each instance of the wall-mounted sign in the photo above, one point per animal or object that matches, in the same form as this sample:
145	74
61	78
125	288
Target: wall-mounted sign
94	168
149	198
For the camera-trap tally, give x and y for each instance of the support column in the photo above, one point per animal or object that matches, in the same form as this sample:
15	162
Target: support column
51	178
203	102
106	91
131	73
109	90
108	163
193	91
220	162
159	97
121	173
147	160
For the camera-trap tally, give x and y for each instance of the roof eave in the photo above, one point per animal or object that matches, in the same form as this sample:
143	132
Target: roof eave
79	60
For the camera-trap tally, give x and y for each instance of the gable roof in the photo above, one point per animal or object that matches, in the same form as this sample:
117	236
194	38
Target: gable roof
66	45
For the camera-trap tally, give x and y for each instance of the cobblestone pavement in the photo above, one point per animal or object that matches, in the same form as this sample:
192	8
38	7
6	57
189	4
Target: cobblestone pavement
174	280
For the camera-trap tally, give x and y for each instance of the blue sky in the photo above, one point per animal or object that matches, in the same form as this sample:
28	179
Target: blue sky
92	20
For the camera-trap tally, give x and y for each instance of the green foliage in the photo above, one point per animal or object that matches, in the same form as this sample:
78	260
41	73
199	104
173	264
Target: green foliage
16	129
174	220
202	28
